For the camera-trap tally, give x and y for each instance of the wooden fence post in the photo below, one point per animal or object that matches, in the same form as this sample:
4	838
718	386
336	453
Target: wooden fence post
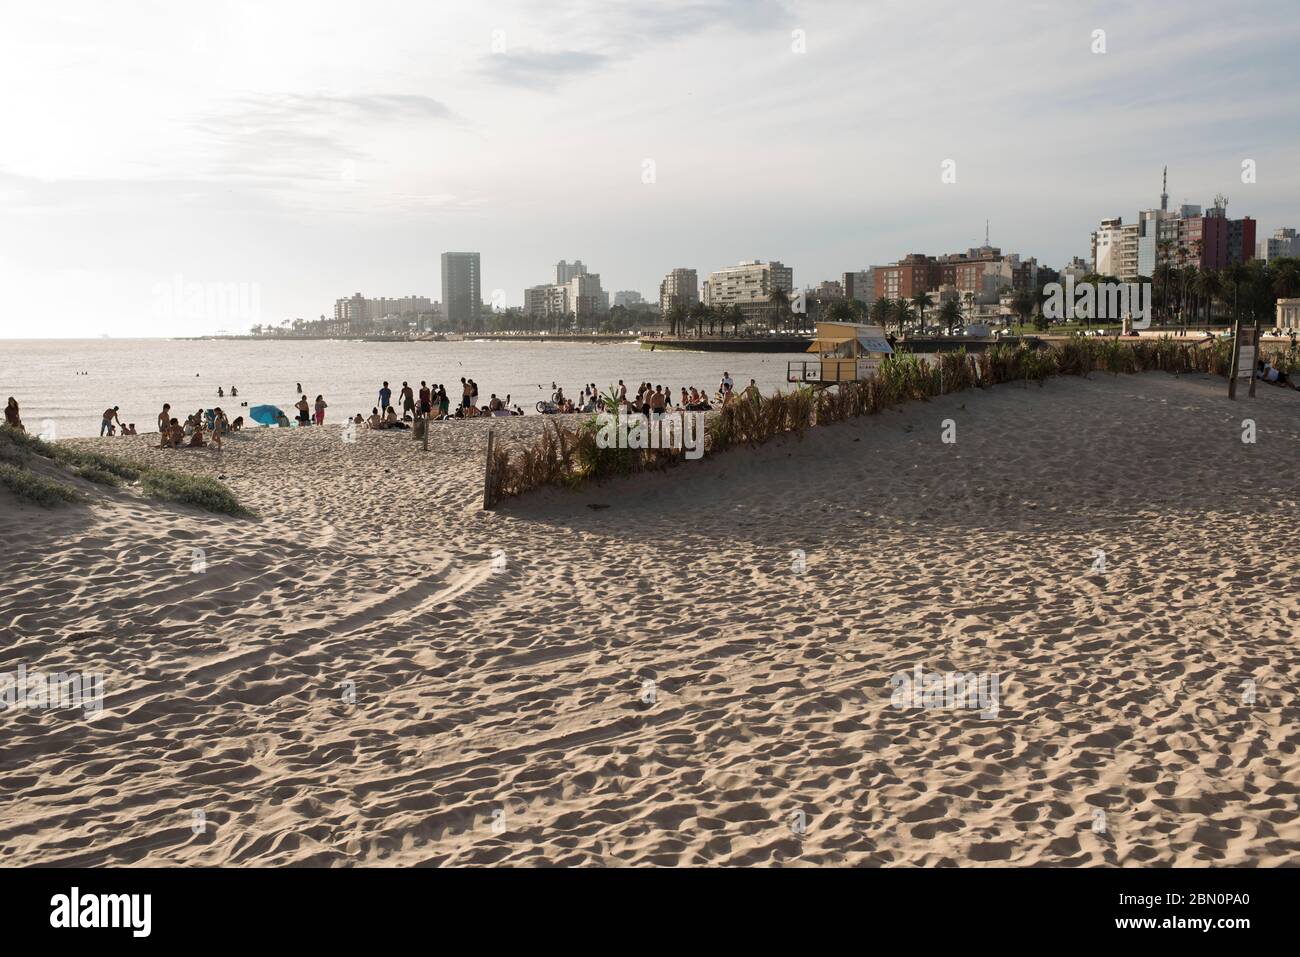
488	491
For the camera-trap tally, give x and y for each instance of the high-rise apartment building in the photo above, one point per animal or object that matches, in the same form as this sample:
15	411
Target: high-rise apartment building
565	271
748	285
462	295
860	285
1283	242
681	287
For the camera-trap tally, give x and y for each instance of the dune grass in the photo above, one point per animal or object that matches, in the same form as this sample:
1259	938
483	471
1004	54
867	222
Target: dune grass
199	491
18	448
34	488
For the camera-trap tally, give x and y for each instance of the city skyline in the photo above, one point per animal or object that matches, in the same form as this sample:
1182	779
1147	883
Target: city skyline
239	145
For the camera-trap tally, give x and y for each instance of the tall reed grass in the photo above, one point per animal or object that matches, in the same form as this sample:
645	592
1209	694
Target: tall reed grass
569	456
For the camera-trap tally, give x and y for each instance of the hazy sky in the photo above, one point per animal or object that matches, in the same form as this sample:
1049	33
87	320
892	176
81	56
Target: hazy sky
312	150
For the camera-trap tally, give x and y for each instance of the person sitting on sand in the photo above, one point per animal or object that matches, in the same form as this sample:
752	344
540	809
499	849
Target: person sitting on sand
282	420
129	430
357	420
375	421
238	424
1265	370
196	440
391	421
12	418
171	435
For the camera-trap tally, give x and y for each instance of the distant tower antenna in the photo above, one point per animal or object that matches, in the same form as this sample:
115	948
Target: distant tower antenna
1164	191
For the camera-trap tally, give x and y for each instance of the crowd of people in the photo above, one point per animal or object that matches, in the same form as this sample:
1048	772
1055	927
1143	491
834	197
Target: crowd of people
651	399
206	427
202	429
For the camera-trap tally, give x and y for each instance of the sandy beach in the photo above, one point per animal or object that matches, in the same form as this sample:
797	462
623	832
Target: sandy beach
683	668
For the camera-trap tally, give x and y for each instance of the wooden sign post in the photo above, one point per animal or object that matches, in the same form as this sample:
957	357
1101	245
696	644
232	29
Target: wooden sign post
1245	352
487	474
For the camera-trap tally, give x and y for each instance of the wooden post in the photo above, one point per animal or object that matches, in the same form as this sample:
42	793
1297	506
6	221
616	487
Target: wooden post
1232	366
1255	357
487	473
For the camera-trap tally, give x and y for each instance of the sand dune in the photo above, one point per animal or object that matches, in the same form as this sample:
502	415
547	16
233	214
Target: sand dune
697	674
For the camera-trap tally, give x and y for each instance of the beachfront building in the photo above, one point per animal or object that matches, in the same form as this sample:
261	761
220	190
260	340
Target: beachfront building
681	287
1283	242
860	285
358	314
983	273
749	285
462	295
1185	237
579	296
1288	314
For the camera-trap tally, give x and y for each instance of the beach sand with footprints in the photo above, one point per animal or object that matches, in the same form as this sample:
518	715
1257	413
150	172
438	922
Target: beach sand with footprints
697	672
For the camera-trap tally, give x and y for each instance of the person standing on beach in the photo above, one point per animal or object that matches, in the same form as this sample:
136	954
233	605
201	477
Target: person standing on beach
321	406
408	399
464	393
473	394
106	426
426	399
444	401
385	394
165	418
304	415
12	418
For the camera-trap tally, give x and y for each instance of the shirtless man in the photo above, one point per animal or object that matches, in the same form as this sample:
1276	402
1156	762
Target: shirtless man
107	425
164	419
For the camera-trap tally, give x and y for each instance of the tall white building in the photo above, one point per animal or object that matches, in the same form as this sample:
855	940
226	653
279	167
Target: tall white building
580	295
748	285
1283	242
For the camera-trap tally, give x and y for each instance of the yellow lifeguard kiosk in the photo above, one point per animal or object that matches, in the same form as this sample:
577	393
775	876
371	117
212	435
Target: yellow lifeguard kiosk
847	352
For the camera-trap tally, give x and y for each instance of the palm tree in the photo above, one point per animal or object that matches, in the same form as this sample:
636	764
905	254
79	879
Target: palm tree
950	314
779	298
969	298
1208	286
882	310
840	311
902	312
676	318
1022	304
921	300
699	313
1236	275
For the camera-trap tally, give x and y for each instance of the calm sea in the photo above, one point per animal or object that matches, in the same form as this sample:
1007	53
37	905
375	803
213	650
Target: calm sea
139	375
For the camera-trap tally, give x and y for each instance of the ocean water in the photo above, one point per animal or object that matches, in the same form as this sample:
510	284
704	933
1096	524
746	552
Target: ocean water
139	375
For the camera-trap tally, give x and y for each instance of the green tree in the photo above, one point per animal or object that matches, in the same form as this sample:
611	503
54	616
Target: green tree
950	314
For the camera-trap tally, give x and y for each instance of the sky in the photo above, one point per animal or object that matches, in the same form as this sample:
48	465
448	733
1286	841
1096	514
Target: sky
279	155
